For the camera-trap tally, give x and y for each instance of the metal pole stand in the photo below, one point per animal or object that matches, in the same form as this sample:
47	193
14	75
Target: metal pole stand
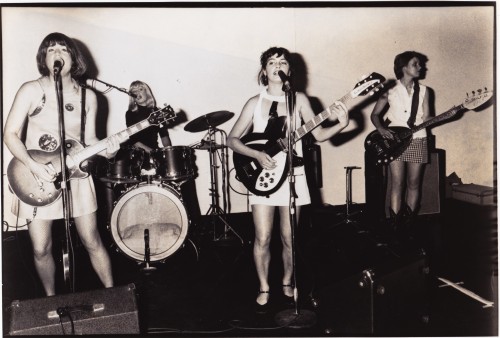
348	202
217	213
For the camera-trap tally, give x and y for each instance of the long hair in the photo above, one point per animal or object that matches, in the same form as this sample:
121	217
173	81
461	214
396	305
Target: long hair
151	102
266	55
79	66
401	61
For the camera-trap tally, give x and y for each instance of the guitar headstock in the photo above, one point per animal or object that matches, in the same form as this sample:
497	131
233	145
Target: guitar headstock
161	115
368	85
477	98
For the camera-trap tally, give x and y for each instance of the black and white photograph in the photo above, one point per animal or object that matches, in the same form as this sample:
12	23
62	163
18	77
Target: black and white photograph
249	169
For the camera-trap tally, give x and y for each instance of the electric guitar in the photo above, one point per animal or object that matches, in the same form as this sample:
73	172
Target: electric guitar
384	151
263	182
36	192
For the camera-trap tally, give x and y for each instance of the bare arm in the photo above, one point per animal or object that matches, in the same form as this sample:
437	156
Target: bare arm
18	113
376	118
241	126
425	107
339	112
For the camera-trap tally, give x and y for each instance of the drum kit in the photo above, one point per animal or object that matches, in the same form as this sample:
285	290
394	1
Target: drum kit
149	221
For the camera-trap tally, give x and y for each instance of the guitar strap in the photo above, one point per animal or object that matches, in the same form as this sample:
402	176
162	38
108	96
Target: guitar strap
414	104
83	118
273	111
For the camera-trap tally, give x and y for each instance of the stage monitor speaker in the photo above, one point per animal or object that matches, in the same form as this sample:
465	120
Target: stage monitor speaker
378	185
104	311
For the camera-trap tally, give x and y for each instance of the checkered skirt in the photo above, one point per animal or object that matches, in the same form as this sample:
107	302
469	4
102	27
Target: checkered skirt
417	151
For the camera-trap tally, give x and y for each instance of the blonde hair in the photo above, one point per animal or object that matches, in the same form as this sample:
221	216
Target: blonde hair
151	102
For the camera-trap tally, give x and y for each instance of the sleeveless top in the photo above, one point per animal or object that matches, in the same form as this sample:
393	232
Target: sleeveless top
282	195
43	134
400	107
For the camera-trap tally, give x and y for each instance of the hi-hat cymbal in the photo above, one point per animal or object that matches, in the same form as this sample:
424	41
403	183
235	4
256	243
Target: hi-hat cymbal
208	121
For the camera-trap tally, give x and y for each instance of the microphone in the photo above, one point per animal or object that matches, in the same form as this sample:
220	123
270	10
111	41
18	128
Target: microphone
285	79
57	66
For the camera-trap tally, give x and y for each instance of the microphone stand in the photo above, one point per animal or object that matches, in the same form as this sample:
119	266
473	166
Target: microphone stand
293	318
67	247
110	86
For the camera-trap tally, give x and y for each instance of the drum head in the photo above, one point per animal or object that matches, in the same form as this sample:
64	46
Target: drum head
156	208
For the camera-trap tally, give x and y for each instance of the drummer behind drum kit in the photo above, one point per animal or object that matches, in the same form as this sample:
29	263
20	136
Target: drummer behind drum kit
149	221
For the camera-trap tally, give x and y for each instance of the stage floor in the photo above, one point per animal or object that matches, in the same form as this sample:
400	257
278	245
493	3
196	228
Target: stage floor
208	286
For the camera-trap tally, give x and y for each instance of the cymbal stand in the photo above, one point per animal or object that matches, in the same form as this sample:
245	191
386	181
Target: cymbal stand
215	210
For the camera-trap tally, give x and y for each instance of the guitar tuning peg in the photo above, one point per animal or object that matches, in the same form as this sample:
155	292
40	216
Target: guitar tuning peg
467	94
479	91
473	93
485	89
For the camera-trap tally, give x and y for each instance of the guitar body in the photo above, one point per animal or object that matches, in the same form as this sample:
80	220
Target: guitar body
384	151
260	181
34	191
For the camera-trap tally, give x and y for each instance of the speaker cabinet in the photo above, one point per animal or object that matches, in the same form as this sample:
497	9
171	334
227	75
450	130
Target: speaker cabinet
378	185
104	311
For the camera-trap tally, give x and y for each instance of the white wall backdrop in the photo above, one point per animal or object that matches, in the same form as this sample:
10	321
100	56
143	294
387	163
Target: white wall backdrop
201	60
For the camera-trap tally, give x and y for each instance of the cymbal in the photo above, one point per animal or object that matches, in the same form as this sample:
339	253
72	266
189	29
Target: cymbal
206	146
208	121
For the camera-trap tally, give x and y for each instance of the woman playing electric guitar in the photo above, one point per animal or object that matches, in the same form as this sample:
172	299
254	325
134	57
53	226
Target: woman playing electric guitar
37	105
270	104
408	106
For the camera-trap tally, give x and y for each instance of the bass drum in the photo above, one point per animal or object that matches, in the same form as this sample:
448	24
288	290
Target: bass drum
157	208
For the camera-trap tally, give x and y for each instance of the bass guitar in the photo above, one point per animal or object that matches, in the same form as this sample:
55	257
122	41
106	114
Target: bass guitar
36	192
263	182
384	151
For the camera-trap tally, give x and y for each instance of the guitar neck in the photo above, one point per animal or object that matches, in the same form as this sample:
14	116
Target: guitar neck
102	144
440	118
318	119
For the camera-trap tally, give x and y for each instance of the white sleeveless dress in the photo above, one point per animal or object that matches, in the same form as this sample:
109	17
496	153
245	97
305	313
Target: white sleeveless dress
282	196
43	134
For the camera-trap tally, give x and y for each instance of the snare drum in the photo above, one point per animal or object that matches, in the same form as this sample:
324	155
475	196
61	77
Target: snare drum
156	208
126	166
174	163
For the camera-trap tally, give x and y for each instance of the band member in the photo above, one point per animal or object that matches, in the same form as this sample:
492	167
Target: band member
408	106
141	104
257	111
36	104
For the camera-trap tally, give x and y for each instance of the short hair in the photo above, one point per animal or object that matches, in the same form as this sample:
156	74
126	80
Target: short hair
151	102
79	66
266	55
401	60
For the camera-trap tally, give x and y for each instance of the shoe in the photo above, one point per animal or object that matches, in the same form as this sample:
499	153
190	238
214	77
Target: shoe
288	299
262	308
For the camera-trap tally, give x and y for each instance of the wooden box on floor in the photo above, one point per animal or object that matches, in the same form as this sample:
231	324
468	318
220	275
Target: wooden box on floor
390	299
104	311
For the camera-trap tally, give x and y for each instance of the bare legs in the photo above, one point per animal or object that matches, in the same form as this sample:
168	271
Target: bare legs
40	232
399	180
263	217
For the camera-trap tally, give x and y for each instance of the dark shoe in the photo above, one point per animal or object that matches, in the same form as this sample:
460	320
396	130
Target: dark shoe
262	308
288	299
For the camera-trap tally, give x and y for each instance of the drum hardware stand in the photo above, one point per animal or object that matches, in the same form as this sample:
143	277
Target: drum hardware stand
147	268
215	210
